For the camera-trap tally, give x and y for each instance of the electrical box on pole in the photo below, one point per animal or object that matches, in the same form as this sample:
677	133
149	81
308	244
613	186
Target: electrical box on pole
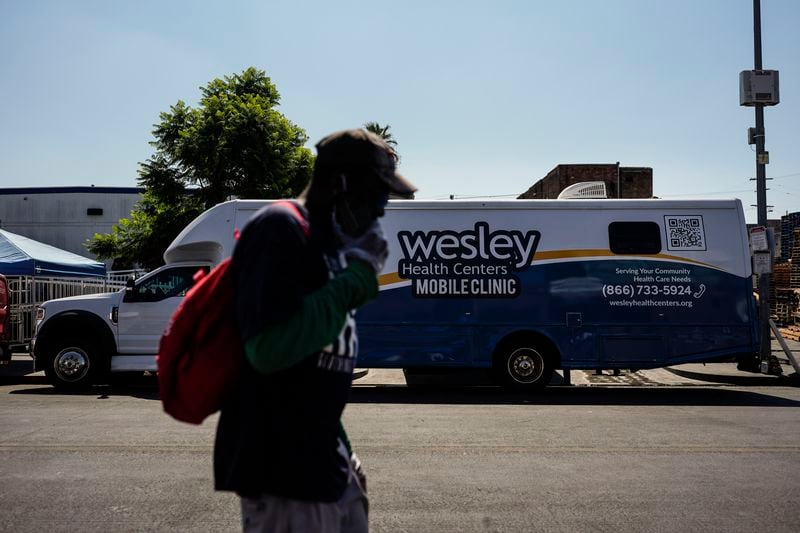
758	87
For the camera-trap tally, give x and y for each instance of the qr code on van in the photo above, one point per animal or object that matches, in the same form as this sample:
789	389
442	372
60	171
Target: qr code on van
685	232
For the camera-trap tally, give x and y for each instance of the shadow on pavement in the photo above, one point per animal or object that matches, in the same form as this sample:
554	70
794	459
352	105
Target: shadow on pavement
133	385
789	379
656	396
458	390
18	371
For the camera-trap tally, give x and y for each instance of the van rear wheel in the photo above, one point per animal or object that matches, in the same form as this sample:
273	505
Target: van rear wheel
524	367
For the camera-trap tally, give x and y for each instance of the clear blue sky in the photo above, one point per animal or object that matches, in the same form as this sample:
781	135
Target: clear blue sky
484	98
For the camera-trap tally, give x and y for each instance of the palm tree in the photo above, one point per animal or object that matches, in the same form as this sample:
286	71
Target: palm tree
382	132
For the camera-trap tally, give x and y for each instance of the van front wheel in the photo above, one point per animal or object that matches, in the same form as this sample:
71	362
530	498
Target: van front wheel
72	365
525	367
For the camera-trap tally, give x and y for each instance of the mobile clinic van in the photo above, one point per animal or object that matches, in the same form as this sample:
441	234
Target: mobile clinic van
522	287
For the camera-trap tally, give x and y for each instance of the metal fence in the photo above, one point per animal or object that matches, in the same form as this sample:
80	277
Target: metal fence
122	276
27	292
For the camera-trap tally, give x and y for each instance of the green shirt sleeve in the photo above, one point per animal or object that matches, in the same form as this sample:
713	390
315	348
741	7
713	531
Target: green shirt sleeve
316	324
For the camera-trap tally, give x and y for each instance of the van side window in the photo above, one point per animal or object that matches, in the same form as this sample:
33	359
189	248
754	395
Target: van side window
634	237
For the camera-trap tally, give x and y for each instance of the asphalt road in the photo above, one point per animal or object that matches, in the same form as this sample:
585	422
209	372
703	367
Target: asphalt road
657	458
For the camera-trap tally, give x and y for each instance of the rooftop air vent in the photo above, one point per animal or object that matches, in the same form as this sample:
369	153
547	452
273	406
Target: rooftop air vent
586	189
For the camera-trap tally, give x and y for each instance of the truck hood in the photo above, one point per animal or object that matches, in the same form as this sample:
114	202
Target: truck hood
85	299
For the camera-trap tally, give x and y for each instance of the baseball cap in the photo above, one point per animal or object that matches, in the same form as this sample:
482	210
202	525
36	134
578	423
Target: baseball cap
362	153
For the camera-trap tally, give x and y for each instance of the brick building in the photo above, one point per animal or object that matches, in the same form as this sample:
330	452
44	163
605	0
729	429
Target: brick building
631	182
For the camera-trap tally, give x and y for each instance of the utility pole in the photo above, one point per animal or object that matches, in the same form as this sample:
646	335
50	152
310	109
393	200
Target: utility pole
758	88
761	192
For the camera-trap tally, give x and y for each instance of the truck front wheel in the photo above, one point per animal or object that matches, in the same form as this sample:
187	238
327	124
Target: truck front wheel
73	364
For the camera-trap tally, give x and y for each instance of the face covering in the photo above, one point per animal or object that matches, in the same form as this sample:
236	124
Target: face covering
354	212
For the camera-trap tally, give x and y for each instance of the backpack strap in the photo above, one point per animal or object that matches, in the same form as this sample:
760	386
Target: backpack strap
298	215
295	212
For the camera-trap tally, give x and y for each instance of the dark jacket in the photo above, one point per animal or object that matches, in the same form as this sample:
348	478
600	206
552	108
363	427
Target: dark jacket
279	432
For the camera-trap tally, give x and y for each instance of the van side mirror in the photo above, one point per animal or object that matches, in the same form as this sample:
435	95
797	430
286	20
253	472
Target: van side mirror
130	284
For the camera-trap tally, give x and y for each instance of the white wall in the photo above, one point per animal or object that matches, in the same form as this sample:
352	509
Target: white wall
58	215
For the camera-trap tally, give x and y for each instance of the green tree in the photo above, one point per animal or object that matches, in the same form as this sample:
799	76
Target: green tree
234	143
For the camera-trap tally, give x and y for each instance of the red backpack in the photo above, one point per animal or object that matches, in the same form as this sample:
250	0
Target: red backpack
200	354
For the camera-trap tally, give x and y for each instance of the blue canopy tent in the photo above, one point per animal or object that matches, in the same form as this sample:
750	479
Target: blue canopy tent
21	256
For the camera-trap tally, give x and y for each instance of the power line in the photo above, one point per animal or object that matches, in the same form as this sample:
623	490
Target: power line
515	195
729	192
704	193
786	176
462	197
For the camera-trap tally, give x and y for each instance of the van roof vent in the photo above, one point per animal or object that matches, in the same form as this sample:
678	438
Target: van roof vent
586	189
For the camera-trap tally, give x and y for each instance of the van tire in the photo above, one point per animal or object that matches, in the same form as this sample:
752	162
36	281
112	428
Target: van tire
524	366
73	364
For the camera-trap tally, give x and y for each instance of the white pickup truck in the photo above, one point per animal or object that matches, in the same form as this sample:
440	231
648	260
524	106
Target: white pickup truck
76	337
80	340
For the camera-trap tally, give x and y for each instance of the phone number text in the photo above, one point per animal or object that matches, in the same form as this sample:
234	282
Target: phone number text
647	290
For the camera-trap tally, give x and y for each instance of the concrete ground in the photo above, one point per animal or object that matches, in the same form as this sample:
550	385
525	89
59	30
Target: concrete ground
652	450
439	458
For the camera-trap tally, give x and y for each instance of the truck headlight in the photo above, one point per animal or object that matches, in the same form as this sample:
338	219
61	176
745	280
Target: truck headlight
40	312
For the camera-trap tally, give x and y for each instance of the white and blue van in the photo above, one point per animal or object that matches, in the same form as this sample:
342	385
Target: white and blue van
527	286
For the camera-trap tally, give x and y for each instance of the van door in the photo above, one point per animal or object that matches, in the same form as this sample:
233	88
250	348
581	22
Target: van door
398	331
149	305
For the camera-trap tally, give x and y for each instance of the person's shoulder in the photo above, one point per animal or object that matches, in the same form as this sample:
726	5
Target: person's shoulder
274	227
278	220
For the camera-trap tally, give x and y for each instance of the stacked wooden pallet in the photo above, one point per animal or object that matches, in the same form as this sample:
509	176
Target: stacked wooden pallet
791	333
781	276
784	304
784	294
794	277
789	223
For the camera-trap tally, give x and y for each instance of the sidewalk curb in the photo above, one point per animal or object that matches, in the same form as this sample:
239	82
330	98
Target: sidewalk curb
755	379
